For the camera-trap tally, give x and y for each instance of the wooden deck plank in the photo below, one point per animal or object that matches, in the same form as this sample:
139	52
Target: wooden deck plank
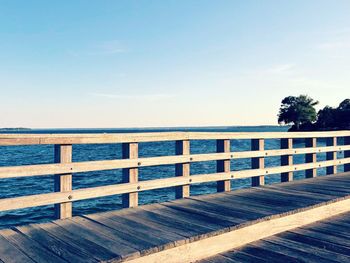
286	202
266	251
243	257
330	229
62	249
310	243
257	203
231	213
31	248
325	189
299	196
315	242
322	253
142	227
130	241
120	249
206	213
11	254
221	259
155	242
306	194
331	186
144	218
93	250
202	220
172	224
322	236
290	251
240	206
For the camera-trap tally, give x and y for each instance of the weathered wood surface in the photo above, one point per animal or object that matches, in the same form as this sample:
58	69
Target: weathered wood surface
323	241
77	167
141	231
28	139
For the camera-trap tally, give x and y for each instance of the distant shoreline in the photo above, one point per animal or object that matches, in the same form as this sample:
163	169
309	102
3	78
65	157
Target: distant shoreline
15	129
148	128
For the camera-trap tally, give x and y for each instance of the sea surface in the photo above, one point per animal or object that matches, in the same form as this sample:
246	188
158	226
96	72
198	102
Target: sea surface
44	154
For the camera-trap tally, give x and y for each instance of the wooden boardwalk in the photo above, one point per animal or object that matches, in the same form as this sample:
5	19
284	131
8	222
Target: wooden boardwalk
153	233
324	241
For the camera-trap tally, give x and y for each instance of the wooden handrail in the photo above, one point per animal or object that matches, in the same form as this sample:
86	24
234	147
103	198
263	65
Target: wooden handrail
90	166
29	139
102	191
63	168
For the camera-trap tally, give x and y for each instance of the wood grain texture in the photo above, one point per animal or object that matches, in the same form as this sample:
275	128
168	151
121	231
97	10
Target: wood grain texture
87	193
223	165
218	244
258	162
77	167
63	182
311	157
331	155
287	159
64	167
316	242
183	169
130	175
29	139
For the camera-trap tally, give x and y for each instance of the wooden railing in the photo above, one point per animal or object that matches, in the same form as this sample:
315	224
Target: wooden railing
63	168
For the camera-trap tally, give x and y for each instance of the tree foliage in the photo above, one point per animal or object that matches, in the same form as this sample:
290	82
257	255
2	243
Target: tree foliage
298	111
338	118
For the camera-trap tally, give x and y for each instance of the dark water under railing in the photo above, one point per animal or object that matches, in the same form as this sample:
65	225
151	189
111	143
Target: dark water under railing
42	154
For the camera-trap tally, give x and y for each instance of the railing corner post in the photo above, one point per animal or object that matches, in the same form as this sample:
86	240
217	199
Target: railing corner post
63	182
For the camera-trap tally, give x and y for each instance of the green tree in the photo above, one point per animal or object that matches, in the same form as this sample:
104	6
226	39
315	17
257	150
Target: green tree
343	114
330	118
298	111
327	118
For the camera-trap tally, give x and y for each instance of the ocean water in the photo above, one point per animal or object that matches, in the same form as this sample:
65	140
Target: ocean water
43	154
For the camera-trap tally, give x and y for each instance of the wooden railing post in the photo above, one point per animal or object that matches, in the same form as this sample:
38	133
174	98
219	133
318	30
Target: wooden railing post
332	155
63	182
182	169
311	157
130	175
287	159
258	162
223	165
347	154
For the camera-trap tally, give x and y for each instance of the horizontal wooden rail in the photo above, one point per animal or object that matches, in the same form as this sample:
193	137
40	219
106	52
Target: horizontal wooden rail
102	191
30	139
78	167
64	168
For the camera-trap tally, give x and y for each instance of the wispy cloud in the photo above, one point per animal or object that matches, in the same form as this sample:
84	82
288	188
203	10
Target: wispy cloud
334	45
156	96
282	68
111	47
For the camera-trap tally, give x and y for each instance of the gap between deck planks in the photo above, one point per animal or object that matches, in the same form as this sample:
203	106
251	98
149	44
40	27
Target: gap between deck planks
180	230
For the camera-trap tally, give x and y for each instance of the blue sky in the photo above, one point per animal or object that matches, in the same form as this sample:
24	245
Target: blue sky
168	63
